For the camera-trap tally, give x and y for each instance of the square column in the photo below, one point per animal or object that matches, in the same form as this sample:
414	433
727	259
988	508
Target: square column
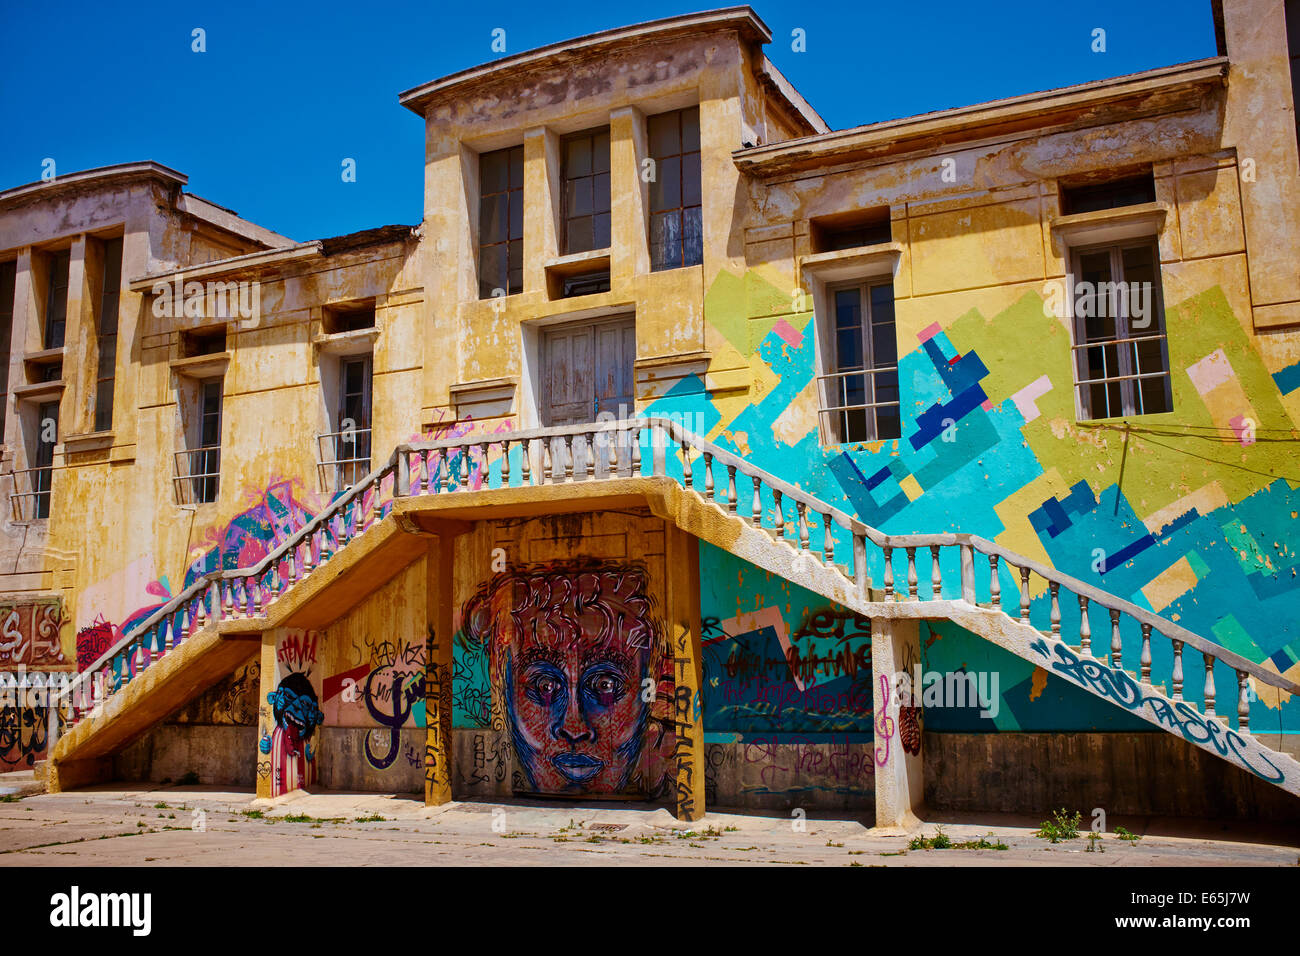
900	782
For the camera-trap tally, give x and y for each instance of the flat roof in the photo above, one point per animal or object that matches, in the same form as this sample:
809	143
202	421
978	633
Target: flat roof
100	175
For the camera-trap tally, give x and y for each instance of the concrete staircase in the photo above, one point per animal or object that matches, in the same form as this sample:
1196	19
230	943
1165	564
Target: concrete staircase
708	492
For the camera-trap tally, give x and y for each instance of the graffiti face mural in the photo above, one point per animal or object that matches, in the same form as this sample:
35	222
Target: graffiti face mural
295	712
576	660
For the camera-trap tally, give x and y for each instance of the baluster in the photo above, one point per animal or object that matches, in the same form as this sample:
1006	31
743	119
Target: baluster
525	465
230	597
731	489
484	472
1243	702
688	467
200	613
828	542
377	507
995	586
1085	626
257	597
859	543
1209	685
548	461
125	660
1055	588
568	458
757	516
1178	669
803	524
911	574
275	571
780	514
708	476
505	463
462	481
1116	645
1145	660
636	450
291	561
936	579
889	572
168	635
1024	595
589	452
214	596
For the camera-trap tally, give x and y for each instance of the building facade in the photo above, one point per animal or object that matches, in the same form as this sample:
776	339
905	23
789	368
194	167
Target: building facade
687	452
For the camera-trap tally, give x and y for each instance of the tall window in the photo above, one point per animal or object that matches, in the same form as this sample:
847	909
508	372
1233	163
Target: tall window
56	300
353	445
676	212
47	436
8	273
862	385
107	367
207	457
501	222
586	191
1121	362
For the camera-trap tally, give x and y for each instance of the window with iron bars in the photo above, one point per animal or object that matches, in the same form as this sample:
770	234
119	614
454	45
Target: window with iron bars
1121	356
344	454
198	469
860	392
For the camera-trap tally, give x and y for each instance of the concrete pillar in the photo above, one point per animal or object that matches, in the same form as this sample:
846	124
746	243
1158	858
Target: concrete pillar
683	622
895	647
438	667
265	719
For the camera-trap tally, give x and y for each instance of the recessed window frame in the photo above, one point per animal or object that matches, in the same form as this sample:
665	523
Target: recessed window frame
511	243
585	179
836	419
106	333
1128	371
686	247
54	328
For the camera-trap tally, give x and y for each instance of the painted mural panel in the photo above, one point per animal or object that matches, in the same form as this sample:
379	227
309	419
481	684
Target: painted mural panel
578	677
31	634
295	711
1172	512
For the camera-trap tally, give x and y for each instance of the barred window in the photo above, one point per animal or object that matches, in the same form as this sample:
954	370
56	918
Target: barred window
1121	356
860	392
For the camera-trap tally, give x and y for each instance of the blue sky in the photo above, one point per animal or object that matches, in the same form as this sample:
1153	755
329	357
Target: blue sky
262	120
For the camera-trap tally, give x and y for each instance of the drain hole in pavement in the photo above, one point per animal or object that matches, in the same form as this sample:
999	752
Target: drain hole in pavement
611	827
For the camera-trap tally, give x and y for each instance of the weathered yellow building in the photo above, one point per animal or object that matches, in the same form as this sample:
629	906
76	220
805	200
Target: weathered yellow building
687	451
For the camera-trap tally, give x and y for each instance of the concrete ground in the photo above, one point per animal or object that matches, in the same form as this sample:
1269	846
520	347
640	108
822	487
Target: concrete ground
142	824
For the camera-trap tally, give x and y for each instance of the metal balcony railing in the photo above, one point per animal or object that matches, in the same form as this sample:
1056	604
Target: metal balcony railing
342	458
197	477
34	502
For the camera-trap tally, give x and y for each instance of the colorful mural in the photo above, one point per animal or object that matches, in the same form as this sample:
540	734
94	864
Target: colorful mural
1169	511
31	634
580	676
295	713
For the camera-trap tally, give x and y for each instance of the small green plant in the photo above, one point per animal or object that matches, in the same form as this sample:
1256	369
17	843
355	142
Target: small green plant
940	841
1062	826
1094	842
160	805
983	843
373	818
1124	834
8	798
252	814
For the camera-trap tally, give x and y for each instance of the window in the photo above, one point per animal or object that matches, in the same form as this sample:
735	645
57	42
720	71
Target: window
1091	197
860	393
56	301
352	317
198	467
850	231
676	213
203	342
1121	365
352	438
47	436
501	222
107	340
586	191
8	275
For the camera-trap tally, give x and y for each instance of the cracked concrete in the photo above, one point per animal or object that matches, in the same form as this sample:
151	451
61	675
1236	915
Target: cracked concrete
139	825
